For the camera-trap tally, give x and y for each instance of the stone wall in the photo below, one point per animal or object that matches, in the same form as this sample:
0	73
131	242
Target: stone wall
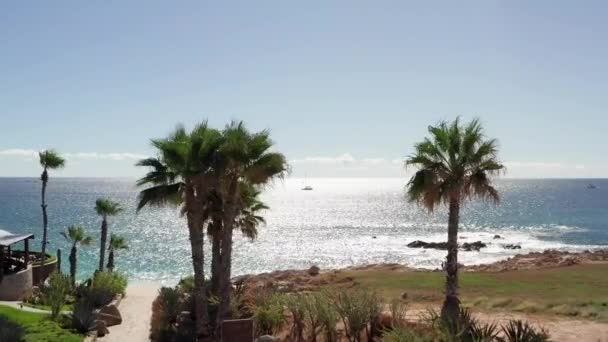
17	285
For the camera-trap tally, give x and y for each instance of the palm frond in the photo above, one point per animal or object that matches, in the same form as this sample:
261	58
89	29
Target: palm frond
107	207
160	195
51	159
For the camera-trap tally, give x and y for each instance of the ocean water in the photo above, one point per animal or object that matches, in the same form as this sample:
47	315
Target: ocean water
343	222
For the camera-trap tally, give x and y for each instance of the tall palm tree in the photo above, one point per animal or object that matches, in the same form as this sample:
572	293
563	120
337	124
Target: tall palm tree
49	160
117	243
455	164
105	208
182	175
76	235
246	160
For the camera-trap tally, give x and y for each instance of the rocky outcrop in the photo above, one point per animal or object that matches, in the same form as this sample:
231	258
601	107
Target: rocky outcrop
423	244
467	246
473	246
511	246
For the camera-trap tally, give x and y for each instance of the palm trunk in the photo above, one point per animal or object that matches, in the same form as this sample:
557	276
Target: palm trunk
104	238
73	262
215	258
110	265
451	305
198	262
230	210
45	178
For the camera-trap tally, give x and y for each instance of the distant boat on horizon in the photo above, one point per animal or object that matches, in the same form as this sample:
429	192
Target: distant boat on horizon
591	186
306	186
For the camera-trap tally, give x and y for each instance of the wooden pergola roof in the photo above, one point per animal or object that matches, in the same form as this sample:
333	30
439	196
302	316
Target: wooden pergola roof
8	238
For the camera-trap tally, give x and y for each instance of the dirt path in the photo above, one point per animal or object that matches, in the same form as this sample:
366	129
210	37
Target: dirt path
135	309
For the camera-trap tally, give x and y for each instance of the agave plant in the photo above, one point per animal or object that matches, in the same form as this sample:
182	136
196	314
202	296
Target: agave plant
520	331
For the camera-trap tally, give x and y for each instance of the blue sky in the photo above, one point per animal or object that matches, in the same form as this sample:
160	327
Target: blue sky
346	87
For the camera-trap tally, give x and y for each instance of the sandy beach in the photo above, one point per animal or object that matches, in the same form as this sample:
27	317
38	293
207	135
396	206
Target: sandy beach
136	311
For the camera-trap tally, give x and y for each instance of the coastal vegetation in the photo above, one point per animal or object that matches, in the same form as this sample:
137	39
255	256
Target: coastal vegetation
77	236
216	177
49	160
105	208
455	164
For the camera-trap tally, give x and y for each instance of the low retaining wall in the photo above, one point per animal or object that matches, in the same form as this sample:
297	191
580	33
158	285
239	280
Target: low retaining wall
41	273
17	285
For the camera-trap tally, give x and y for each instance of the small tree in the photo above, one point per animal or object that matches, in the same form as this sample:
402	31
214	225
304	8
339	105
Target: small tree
76	235
105	208
116	243
58	289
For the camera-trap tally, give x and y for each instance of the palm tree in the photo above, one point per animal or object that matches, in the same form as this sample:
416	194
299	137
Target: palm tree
76	235
248	221
246	161
105	208
182	175
49	160
455	164
116	243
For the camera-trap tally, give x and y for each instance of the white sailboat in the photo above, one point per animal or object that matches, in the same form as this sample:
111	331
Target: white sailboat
306	186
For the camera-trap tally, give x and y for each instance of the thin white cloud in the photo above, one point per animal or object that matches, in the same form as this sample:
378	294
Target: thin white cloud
341	159
29	153
18	152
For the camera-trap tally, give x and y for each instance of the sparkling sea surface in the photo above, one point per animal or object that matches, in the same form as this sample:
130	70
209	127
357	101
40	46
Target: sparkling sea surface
342	222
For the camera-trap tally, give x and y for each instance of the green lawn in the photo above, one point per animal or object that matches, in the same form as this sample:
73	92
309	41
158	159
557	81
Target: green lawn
580	290
38	327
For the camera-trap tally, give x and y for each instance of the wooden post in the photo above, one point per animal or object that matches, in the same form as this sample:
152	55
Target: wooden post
59	260
26	248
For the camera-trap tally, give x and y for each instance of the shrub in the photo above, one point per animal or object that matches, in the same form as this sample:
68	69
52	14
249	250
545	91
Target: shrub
519	331
296	305
402	334
83	318
57	291
321	316
398	311
10	331
104	287
165	309
357	309
267	312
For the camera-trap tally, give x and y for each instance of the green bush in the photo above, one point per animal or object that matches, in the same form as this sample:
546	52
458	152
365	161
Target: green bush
297	307
10	331
358	309
83	318
57	292
519	331
104	287
267	312
321	316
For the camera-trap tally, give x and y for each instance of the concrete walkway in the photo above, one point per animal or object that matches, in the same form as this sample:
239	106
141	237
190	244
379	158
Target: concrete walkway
20	306
135	309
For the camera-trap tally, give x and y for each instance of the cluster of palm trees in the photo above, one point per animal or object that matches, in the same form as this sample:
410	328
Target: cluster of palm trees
76	234
215	176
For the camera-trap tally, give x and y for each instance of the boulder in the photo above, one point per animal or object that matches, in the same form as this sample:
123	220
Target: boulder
101	328
268	338
110	315
473	246
314	270
511	246
422	244
497	236
404	295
